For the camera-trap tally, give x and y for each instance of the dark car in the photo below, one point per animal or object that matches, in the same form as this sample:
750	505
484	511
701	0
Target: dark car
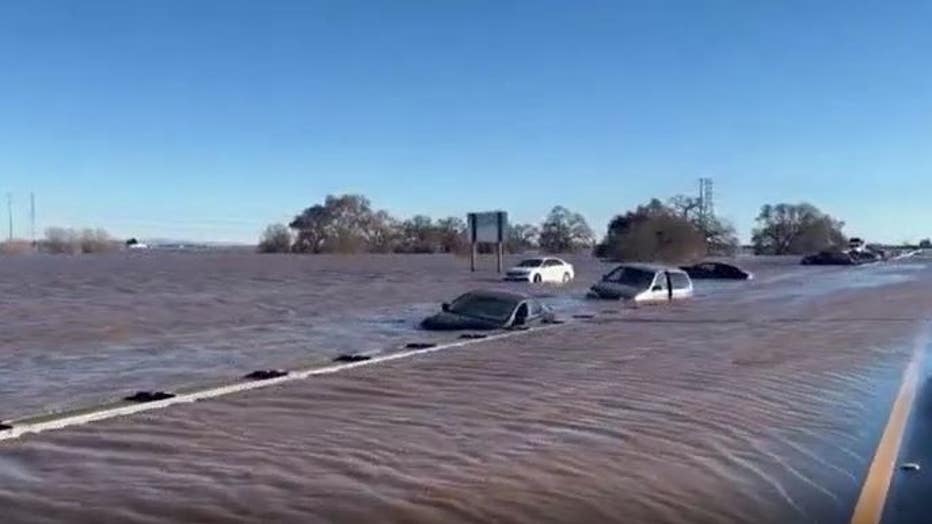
717	270
830	258
865	257
487	310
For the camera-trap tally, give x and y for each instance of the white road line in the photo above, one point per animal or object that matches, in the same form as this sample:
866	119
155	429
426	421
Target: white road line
65	420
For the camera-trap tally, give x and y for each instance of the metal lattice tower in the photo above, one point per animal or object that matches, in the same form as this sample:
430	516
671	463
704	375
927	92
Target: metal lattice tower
706	199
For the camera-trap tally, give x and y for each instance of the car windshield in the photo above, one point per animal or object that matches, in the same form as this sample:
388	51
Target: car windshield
533	262
629	276
484	307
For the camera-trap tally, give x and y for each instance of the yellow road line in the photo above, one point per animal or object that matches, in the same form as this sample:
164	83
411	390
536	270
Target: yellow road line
871	502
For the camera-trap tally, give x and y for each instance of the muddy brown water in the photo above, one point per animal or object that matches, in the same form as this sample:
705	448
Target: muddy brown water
755	402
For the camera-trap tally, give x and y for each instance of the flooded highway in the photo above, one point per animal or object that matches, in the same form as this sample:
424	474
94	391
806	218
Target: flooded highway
757	401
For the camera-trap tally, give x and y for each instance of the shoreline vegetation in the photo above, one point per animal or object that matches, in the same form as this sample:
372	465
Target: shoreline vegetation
674	231
64	241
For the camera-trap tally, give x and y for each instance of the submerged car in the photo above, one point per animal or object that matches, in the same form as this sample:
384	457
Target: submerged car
644	283
717	270
548	269
487	310
830	258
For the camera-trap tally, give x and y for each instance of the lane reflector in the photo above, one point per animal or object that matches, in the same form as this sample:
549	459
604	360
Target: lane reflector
149	396
265	374
352	358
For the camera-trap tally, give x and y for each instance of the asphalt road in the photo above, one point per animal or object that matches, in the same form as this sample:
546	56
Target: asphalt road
910	495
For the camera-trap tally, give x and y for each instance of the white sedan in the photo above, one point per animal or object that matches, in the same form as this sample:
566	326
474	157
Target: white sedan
539	270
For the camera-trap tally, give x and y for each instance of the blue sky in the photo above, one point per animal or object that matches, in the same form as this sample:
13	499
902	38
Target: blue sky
207	120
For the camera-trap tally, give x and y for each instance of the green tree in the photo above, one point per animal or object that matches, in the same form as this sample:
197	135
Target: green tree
796	229
564	231
653	232
342	224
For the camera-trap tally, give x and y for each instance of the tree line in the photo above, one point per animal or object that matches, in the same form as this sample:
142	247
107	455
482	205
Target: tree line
349	224
63	241
675	230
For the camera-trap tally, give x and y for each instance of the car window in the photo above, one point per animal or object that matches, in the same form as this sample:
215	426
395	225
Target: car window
483	307
532	262
679	280
661	281
552	263
536	308
629	276
521	315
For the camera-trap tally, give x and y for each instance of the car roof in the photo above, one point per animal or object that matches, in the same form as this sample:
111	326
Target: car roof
499	294
653	268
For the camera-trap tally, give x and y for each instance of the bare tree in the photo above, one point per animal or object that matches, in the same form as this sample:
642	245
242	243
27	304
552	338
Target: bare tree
452	233
521	238
275	239
719	235
60	240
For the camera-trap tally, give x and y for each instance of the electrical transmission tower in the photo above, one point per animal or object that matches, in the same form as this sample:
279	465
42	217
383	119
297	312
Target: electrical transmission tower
706	200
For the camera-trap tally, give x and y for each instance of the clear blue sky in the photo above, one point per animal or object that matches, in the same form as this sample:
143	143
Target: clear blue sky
209	119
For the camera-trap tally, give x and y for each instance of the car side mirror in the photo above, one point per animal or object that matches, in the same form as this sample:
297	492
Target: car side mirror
445	306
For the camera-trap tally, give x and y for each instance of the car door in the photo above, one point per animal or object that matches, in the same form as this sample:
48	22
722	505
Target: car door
535	311
559	269
658	290
682	286
551	268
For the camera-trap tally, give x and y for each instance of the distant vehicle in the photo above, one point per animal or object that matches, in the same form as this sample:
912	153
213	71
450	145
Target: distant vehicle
717	270
545	269
856	244
135	244
865	257
644	283
487	310
878	250
830	258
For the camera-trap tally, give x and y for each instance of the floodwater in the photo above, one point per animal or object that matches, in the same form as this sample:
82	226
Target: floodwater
757	401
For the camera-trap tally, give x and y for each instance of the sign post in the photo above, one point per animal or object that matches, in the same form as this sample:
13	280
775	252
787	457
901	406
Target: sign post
487	228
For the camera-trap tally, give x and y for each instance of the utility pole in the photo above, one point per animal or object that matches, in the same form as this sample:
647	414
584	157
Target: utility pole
9	209
32	217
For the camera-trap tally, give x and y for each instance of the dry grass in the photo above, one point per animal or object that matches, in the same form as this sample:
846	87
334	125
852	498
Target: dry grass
16	247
